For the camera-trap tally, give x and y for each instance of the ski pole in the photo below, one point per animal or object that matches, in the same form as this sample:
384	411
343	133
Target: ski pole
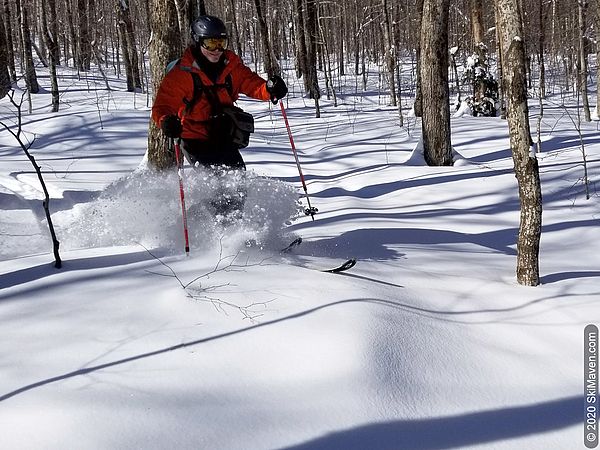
179	161
310	211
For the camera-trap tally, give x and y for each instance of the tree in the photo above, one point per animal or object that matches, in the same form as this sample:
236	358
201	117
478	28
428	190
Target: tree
434	83
26	146
270	63
390	51
30	75
51	40
9	47
597	57
165	47
418	106
130	57
84	53
485	87
306	52
582	60
4	74
525	162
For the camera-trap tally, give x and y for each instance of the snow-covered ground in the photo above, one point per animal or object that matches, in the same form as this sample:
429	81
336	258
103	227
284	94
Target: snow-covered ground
427	343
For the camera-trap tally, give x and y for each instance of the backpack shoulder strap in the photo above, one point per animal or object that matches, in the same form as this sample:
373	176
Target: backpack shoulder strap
198	89
210	91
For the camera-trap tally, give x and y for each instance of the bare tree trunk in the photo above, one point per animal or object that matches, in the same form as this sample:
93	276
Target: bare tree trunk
418	106
500	74
434	79
327	72
390	52
270	63
583	66
4	73
85	49
184	20
476	10
301	44
541	48
52	44
163	49
598	57
9	46
30	75
127	35
72	34
525	162
310	24
53	30
236	31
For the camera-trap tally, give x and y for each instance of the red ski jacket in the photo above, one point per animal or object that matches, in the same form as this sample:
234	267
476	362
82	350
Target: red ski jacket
177	88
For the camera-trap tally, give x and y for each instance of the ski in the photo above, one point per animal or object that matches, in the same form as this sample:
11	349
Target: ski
346	265
295	243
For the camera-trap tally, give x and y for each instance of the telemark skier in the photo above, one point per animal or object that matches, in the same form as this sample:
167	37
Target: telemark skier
195	101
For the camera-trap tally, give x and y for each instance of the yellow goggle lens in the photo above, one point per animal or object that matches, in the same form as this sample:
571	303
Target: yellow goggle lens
212	44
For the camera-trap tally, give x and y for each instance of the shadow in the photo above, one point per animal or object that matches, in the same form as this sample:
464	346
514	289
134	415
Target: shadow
562	276
425	312
379	243
458	431
378	190
44	270
370	279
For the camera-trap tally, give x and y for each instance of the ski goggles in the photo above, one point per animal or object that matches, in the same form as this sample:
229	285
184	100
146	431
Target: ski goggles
213	44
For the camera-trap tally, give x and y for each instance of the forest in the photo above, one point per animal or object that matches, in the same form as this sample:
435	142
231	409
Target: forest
321	40
433	57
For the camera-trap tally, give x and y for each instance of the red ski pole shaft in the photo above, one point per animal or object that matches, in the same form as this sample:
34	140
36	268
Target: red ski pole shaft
179	160
310	210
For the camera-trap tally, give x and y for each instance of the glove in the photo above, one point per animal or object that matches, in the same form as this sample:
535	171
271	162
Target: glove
277	88
171	126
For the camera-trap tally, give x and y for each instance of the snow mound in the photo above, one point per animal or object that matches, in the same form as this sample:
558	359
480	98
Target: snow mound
417	157
463	109
144	207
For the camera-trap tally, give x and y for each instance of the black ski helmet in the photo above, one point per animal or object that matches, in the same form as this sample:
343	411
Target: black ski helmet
208	27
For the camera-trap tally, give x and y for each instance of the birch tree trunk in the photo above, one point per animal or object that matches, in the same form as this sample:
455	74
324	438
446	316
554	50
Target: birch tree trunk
434	83
525	162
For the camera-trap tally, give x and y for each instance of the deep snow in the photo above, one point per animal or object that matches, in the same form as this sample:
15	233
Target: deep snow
427	343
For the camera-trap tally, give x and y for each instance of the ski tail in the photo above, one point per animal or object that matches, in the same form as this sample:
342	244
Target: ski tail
346	265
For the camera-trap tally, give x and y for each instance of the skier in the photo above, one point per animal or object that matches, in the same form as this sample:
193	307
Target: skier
195	101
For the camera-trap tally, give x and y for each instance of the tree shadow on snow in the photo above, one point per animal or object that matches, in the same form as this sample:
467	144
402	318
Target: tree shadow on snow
41	271
378	243
422	427
456	431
